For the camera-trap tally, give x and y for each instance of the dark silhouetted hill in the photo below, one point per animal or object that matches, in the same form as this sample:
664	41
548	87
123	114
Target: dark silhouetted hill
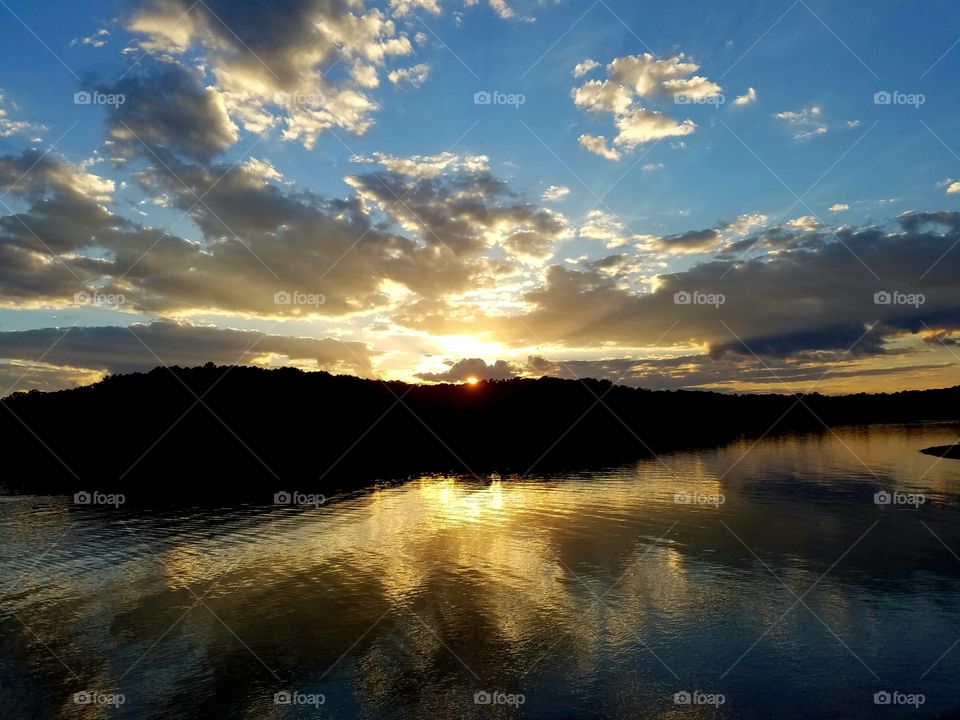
257	430
944	451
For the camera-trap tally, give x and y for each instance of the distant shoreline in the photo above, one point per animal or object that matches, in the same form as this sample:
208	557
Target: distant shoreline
945	451
221	433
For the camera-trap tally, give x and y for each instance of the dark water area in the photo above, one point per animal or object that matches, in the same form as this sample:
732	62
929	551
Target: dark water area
796	576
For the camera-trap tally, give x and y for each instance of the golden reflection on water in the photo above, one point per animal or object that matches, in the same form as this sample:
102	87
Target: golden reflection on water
507	573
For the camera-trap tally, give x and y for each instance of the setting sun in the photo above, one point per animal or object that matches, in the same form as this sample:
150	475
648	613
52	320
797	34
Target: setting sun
472	380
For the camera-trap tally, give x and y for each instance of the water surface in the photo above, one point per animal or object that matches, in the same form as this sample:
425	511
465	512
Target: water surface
764	573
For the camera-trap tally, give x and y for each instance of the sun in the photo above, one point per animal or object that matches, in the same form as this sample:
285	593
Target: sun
472	380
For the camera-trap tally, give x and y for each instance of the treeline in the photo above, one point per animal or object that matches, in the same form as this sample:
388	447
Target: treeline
254	431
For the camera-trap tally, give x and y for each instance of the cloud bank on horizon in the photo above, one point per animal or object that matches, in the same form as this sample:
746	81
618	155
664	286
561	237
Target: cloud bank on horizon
357	187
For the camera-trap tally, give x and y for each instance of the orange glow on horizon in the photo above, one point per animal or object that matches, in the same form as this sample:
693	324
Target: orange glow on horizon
472	380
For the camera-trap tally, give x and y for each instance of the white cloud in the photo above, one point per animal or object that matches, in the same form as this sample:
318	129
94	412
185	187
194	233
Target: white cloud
806	123
649	77
839	207
747	98
402	7
953	188
501	8
633	78
425	167
804	223
263	169
585	67
744	223
97	40
555	192
9	126
641	126
606	227
597	144
413	76
603	96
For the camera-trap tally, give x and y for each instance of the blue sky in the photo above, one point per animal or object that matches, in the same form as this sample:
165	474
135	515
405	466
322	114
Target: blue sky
807	153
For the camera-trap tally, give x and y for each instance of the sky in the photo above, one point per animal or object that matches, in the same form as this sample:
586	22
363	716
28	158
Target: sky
754	197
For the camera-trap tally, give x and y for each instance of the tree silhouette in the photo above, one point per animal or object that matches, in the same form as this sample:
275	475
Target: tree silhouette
223	433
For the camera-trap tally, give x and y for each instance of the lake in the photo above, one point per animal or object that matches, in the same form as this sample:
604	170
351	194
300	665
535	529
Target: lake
798	576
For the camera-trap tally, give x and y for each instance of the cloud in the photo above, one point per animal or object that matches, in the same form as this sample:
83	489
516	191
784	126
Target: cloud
585	67
440	238
97	40
169	111
465	214
90	352
22	376
307	68
701	241
601	225
953	188
744	223
425	167
748	98
467	368
642	126
501	8
729	372
9	126
597	144
554	193
806	123
413	76
692	241
795	296
839	207
403	7
631	79
650	77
